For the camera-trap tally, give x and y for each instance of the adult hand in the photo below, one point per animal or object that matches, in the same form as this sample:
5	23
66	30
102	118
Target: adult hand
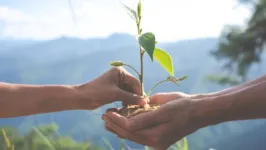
114	85
160	128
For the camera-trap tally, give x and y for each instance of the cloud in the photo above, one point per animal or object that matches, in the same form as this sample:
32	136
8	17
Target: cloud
168	19
9	15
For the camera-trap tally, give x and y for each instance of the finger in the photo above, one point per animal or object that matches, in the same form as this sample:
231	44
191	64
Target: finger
132	84
162	98
124	133
160	130
131	98
112	131
140	121
109	129
112	109
161	135
117	119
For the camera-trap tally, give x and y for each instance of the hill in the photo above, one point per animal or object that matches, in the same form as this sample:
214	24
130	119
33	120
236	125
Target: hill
70	61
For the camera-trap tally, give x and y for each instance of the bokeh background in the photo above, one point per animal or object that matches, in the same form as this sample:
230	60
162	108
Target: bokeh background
216	43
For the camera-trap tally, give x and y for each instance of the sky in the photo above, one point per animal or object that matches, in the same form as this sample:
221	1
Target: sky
169	20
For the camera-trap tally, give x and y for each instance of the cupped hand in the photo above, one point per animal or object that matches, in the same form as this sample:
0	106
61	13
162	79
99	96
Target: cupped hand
114	85
160	128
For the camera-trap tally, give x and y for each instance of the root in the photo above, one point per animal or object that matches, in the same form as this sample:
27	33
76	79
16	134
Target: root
134	110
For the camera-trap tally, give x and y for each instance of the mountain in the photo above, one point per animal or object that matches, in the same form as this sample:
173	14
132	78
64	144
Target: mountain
68	60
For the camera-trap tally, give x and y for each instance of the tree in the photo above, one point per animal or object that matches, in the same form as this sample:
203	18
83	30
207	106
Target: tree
241	47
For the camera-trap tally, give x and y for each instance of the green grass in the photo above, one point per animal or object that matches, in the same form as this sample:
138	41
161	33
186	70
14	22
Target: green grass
41	139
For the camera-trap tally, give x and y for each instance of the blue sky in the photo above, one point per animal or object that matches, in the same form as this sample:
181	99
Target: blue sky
170	20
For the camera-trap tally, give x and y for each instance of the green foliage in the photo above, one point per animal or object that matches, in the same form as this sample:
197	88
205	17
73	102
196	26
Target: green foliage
132	13
240	47
8	143
147	42
117	63
181	145
139	9
122	144
108	144
165	60
41	138
223	80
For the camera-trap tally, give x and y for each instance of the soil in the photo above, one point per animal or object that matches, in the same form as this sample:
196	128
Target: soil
134	110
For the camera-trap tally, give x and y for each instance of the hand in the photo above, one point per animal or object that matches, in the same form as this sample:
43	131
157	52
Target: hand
160	128
162	98
115	84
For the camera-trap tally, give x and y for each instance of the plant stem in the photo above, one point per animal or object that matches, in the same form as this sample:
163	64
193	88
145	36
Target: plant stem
155	86
141	52
141	72
132	69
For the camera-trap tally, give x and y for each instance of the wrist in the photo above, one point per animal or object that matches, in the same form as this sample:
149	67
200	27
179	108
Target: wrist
69	97
210	110
84	96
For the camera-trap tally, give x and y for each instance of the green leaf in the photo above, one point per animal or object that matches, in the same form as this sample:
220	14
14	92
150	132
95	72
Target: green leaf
182	78
185	144
165	60
116	63
147	41
139	9
132	13
140	31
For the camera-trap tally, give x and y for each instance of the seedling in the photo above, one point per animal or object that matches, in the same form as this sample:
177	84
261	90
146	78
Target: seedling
147	44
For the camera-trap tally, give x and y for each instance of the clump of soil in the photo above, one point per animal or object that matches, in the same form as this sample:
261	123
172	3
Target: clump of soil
133	110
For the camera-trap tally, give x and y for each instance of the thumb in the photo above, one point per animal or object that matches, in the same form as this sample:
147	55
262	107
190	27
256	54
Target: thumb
132	84
131	98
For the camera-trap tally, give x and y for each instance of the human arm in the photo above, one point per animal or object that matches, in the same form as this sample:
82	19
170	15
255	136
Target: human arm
22	100
176	119
247	103
177	95
231	89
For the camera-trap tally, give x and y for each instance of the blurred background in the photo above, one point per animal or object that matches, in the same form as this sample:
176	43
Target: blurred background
216	43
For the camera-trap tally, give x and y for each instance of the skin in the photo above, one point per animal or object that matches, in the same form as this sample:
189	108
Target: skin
114	85
182	114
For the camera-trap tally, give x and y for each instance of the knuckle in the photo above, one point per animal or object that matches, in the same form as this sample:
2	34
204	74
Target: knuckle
116	70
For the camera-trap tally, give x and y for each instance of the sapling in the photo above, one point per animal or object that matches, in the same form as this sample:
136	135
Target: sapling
147	44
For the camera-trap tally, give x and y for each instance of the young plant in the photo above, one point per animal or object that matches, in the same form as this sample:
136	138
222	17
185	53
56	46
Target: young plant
147	44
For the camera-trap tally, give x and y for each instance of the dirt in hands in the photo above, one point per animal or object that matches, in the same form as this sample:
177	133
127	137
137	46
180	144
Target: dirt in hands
133	110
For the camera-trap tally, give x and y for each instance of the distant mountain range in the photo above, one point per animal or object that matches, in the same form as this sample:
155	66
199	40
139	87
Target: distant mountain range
71	60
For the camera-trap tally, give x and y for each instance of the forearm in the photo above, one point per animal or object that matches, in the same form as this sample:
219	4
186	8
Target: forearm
247	103
21	100
232	89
